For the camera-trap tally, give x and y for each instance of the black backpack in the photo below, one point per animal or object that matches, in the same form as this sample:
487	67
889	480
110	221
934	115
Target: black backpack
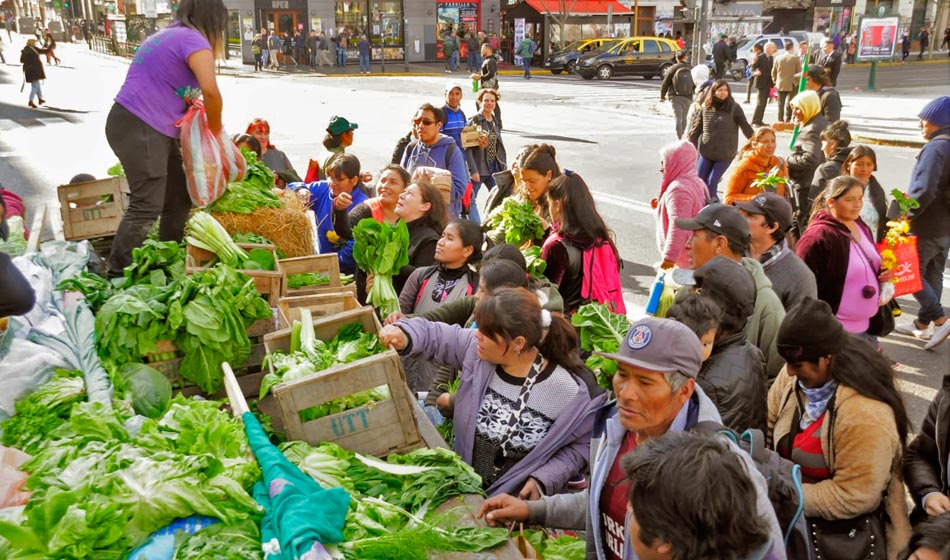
683	82
784	479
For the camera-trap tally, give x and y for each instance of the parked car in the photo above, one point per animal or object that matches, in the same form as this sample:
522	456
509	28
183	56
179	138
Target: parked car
566	58
744	51
639	56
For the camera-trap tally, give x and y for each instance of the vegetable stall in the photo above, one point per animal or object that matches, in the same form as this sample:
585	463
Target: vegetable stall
113	460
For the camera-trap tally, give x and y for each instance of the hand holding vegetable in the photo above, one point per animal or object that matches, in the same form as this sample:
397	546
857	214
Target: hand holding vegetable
393	336
382	250
393	317
502	510
530	490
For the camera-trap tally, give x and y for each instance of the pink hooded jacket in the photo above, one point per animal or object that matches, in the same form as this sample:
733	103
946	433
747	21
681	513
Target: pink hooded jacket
682	195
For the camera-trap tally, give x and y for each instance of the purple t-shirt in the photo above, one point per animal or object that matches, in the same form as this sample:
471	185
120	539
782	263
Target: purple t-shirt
159	69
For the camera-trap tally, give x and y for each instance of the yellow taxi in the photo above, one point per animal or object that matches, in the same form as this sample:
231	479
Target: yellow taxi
565	59
636	56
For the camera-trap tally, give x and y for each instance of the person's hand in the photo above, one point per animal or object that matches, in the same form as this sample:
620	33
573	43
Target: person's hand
667	264
366	177
503	510
475	77
304	194
937	504
885	275
393	336
475	177
393	317
483	142
369	286
530	491
342	201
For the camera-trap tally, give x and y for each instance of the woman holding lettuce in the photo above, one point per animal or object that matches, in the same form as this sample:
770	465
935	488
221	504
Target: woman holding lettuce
419	204
525	405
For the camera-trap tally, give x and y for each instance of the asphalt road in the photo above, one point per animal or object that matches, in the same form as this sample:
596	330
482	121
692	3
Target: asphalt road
609	132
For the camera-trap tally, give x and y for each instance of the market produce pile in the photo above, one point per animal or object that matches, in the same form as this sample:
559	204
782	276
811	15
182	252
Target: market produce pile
115	459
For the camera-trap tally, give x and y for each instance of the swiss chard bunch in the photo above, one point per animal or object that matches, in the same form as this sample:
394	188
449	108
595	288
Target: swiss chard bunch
518	221
381	250
156	262
601	330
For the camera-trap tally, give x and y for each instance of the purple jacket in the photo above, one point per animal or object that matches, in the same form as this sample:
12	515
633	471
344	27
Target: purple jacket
561	454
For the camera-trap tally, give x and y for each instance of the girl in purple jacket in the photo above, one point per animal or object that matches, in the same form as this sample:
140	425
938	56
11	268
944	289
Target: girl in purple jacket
525	405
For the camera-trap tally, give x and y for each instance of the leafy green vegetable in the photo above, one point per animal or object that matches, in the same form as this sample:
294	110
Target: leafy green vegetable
535	264
518	221
304	279
148	389
601	330
343	404
382	250
260	259
116	171
240	541
564	547
255	239
15	244
156	262
206	233
43	410
251	193
769	182
94	288
310	355
447	428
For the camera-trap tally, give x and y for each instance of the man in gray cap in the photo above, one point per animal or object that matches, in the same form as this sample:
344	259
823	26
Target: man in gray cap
770	217
656	391
720	230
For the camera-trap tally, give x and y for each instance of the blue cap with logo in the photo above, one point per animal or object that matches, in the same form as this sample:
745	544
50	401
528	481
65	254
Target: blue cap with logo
660	345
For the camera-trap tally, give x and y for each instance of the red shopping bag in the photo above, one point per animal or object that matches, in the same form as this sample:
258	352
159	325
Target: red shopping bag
313	172
211	161
907	270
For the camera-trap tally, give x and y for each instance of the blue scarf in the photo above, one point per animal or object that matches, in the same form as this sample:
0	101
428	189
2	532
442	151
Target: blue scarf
816	401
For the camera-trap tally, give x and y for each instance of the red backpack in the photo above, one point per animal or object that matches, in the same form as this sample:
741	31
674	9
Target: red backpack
601	274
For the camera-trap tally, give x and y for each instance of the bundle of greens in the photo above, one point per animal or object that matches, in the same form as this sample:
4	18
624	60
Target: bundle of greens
601	330
156	262
392	503
534	263
130	323
43	410
769	182
518	221
564	547
308	355
447	428
94	288
206	233
253	192
99	492
381	250
116	170
305	279
240	541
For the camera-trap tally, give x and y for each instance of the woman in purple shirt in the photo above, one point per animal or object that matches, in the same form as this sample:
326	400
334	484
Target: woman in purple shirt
141	126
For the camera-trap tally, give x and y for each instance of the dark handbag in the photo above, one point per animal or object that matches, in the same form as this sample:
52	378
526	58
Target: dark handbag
859	538
882	324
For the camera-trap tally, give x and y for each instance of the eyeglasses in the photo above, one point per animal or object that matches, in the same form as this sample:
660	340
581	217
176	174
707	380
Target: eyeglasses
426	122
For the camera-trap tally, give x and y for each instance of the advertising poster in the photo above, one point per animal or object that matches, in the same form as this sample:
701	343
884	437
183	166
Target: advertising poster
519	36
877	38
248	25
316	24
458	16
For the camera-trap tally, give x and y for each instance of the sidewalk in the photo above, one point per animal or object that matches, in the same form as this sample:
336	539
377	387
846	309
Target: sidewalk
234	67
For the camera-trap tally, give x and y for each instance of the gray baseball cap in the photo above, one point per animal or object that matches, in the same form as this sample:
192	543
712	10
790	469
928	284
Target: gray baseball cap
660	345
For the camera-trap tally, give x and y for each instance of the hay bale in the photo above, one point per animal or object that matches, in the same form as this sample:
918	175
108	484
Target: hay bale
289	228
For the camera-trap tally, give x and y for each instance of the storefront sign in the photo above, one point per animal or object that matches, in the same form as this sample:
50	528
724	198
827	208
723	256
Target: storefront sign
877	38
280	4
519	36
457	14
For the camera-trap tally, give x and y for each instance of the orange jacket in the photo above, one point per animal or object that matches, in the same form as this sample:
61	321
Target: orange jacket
739	187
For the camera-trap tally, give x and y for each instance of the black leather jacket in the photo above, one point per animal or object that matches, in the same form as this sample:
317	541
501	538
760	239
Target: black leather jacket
925	461
734	379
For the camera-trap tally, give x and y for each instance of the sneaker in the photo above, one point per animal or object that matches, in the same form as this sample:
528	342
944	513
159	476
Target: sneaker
940	334
910	328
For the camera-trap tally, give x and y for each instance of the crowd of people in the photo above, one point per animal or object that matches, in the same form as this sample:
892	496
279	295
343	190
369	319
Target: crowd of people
770	329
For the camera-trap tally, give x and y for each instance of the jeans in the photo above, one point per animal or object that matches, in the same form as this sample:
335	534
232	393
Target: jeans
526	63
932	252
364	63
341	57
489	183
156	176
711	172
681	112
474	61
36	90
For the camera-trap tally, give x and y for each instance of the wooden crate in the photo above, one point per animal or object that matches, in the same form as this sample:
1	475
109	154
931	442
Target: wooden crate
93	209
320	305
327	264
267	282
377	429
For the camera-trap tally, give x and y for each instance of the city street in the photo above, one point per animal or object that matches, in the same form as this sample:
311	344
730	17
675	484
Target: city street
608	132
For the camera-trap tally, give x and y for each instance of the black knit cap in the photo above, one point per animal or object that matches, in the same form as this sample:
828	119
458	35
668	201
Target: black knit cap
810	329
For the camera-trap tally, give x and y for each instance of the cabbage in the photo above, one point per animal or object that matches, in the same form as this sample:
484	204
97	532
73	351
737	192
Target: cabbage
148	389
